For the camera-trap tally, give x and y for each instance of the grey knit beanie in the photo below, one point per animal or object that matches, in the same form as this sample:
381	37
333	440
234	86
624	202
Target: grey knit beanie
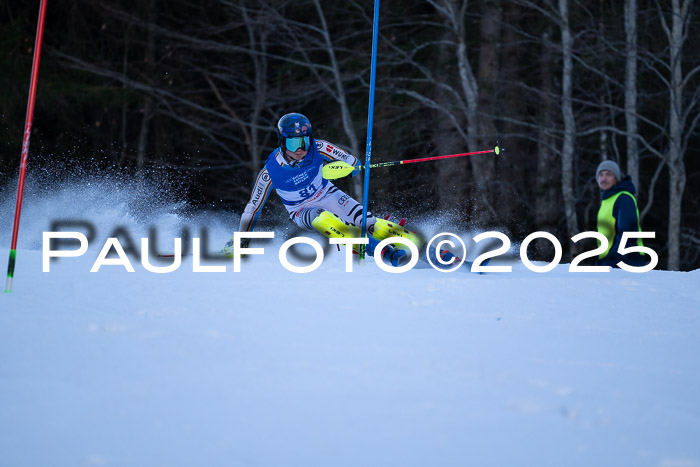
612	167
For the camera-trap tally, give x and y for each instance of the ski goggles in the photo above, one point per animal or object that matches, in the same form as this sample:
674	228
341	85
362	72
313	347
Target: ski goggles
297	142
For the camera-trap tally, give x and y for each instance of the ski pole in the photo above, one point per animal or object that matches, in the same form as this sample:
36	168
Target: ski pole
339	169
25	143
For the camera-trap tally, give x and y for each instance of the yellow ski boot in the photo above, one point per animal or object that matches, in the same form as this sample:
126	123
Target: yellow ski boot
333	226
384	228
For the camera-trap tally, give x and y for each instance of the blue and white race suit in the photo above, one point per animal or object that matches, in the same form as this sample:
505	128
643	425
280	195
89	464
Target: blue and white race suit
302	188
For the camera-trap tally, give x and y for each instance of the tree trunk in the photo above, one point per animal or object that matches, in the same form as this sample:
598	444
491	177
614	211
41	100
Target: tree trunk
509	169
453	181
489	84
676	165
631	90
341	98
567	153
257	38
454	13
547	200
147	109
124	106
470	89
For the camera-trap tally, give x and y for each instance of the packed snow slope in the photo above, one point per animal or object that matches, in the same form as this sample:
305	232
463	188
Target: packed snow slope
270	368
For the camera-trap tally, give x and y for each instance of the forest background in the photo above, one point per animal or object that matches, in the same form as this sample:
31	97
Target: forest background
192	91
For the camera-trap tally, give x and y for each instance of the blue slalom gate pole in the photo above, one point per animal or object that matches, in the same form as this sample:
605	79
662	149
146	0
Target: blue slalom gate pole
370	118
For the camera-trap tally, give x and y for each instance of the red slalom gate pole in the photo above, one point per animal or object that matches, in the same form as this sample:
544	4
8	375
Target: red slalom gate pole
495	150
25	143
339	169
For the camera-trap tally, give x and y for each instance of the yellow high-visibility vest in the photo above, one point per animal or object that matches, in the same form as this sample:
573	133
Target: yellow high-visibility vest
606	220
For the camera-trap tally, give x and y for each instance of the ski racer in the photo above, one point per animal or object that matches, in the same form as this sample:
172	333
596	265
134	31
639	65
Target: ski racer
293	169
618	213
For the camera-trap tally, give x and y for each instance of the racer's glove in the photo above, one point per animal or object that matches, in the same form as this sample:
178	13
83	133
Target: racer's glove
352	174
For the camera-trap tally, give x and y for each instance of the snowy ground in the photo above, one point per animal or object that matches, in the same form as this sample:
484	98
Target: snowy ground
271	368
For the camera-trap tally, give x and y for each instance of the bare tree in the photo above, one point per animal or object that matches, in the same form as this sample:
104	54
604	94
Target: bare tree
547	209
488	76
567	153
631	90
147	109
677	33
